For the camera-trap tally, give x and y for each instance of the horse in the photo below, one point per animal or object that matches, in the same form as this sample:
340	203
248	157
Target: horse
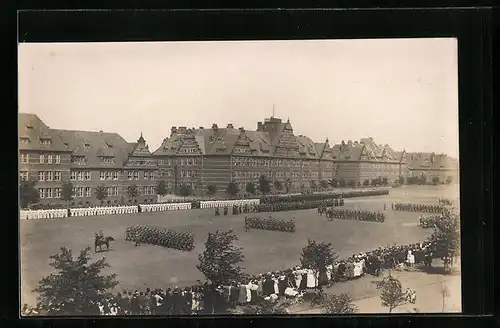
99	242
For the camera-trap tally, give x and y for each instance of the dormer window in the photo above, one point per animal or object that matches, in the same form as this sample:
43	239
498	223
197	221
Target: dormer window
29	127
107	159
45	141
24	140
109	145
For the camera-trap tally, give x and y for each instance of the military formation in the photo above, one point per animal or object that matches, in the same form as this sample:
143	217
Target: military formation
322	196
295	205
429	208
271	223
347	214
429	221
161	237
445	201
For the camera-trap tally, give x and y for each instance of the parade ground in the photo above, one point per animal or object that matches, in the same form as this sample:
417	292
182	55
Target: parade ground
157	267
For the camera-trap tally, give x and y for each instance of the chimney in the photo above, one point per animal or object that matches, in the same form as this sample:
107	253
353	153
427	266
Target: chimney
215	127
173	131
343	142
259	126
100	131
201	128
182	129
371	138
242	130
230	126
356	142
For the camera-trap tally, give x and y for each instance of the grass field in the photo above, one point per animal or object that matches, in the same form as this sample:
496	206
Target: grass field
152	266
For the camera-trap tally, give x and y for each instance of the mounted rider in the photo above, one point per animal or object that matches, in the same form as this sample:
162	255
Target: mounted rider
99	236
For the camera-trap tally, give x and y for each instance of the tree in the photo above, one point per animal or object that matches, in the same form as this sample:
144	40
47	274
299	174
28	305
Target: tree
423	179
445	292
392	294
232	188
76	287
316	256
278	185
185	190
334	183
211	189
449	179
385	181
220	260
264	185
342	183
339	304
435	180
67	192
250	187
288	185
366	183
28	194
445	240
132	191
101	193
352	183
313	184
401	180
324	184
375	182
161	188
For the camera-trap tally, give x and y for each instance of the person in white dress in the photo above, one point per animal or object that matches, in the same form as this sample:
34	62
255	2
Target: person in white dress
311	279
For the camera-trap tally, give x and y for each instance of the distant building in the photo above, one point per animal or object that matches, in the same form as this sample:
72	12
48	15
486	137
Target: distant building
360	163
87	160
432	166
217	156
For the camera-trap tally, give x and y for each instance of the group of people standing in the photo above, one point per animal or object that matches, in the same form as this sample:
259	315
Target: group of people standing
161	237
271	223
348	214
429	208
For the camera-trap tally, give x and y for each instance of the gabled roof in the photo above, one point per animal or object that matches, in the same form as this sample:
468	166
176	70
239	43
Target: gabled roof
30	126
431	161
140	148
92	145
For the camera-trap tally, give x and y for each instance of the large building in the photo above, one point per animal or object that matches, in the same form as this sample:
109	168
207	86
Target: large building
217	156
440	168
359	163
203	157
86	159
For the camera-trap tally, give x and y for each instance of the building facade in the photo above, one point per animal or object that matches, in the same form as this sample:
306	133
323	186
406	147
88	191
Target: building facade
217	156
432	167
88	160
360	163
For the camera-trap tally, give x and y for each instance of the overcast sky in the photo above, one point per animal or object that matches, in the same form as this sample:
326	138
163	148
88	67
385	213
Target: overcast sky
403	92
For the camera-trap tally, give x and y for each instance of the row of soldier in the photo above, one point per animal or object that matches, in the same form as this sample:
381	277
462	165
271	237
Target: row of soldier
43	214
348	214
296	205
445	201
429	208
161	237
164	207
229	203
271	223
313	197
103	210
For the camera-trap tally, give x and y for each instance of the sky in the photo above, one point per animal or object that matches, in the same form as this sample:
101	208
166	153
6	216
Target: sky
401	92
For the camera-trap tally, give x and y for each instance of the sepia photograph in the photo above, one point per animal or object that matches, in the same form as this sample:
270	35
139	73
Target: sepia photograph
239	177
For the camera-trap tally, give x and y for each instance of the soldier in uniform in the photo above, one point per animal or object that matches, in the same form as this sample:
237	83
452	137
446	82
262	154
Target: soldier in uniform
217	211
225	210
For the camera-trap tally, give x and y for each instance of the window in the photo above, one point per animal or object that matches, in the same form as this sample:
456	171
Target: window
188	174
24	140
57	193
41	176
80	175
42	159
183	173
41	193
109	175
49	176
88	191
109	191
23	175
57	176
48	193
45	141
169	173
49	159
24	158
130	175
87	175
79	192
115	175
102	175
115	191
73	175
58	159
146	175
183	161
136	175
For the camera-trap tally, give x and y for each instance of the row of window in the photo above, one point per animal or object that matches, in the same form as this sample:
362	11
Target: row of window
43	141
87	191
42	159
